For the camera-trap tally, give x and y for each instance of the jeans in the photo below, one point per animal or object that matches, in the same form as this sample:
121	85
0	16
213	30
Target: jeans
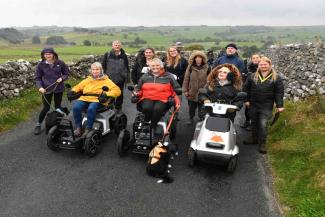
46	99
79	106
259	119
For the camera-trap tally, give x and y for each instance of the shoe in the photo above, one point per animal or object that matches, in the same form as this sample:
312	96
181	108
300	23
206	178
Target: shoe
37	130
262	148
87	130
77	132
190	121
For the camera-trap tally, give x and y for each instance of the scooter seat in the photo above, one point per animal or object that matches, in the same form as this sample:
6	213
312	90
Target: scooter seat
218	124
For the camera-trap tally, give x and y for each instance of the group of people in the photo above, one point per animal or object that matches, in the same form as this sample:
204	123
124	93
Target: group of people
157	81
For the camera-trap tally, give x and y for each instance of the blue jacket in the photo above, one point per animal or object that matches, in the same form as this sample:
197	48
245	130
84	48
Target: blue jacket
46	75
232	59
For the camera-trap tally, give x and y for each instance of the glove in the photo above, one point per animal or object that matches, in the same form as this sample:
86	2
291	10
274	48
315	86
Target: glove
230	77
135	99
103	98
71	95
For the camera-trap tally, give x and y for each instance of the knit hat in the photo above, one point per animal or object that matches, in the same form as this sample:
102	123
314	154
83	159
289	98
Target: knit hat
231	45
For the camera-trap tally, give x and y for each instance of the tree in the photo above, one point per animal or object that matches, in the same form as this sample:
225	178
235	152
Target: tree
53	40
36	39
87	43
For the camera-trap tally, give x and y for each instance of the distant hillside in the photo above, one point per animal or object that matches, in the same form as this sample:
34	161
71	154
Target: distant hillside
12	35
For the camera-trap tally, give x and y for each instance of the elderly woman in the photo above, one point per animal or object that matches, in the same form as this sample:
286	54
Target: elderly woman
154	90
224	82
93	97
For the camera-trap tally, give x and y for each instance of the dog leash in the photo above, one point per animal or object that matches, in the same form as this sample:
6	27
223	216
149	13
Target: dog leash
43	94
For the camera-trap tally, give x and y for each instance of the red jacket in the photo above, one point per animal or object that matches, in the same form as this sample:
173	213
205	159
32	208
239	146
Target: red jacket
159	87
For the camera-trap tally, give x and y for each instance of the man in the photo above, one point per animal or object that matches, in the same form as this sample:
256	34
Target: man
232	58
116	66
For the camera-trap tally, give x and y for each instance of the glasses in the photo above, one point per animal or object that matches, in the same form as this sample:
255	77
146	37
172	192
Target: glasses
172	51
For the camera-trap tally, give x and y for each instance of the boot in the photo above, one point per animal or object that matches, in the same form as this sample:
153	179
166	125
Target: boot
262	148
37	129
78	132
253	140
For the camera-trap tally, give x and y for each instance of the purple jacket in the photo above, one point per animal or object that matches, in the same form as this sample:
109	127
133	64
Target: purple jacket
45	75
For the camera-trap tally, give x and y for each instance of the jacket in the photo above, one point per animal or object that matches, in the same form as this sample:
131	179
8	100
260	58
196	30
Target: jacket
262	95
232	59
47	74
179	70
159	87
116	67
195	76
225	93
94	86
136	71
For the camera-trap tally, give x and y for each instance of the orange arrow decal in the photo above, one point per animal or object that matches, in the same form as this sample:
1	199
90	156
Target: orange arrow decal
217	138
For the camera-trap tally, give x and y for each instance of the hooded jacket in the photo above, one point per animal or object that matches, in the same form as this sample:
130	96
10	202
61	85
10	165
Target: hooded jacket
116	67
195	76
94	86
47	74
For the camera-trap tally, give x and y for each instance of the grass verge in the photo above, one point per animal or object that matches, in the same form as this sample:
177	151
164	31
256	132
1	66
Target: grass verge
297	154
18	109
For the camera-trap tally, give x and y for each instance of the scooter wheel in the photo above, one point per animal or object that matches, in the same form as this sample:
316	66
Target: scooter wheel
92	143
120	123
232	164
123	142
191	155
52	139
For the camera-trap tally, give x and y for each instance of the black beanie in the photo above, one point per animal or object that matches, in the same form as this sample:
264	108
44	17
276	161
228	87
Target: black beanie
231	45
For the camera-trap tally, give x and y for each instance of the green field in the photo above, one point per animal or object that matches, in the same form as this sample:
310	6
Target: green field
158	37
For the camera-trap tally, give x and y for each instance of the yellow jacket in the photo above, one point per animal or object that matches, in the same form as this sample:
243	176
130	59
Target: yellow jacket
94	86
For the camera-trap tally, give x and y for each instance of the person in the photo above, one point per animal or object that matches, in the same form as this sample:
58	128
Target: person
223	84
93	97
141	65
116	66
176	64
179	46
210	57
154	90
50	75
195	78
251	69
232	58
264	88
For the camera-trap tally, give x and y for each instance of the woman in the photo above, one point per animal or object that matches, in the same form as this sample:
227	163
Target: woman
92	97
224	83
176	64
155	88
264	88
49	76
251	69
141	65
194	79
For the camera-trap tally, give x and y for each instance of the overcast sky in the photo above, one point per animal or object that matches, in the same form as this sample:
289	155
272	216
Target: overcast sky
93	13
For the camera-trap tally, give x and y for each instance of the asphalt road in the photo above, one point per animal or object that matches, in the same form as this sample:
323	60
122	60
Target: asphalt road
35	181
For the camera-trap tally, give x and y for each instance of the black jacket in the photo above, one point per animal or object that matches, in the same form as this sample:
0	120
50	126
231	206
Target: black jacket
116	67
263	95
179	70
225	94
136	71
251	67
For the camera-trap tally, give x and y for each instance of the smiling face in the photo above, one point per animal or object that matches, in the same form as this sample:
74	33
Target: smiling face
95	71
256	59
148	53
173	52
49	57
155	67
264	66
222	73
198	60
116	46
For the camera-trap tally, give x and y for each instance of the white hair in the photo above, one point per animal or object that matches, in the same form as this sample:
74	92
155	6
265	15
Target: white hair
97	65
157	60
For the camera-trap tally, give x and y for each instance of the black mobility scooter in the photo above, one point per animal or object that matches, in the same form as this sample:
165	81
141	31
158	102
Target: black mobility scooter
143	139
61	136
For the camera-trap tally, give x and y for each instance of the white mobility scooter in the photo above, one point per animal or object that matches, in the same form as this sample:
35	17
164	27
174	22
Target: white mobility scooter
214	139
61	136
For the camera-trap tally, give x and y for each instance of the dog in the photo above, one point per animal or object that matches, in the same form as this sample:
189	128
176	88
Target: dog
159	163
53	118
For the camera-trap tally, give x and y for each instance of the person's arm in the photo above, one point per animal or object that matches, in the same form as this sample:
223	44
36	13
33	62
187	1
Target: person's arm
186	81
104	63
65	71
79	87
126	62
38	76
279	92
134	72
114	90
204	94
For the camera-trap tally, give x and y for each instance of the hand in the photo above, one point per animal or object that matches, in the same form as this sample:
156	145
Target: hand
206	101
59	80
186	94
178	106
280	110
42	90
103	98
248	104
